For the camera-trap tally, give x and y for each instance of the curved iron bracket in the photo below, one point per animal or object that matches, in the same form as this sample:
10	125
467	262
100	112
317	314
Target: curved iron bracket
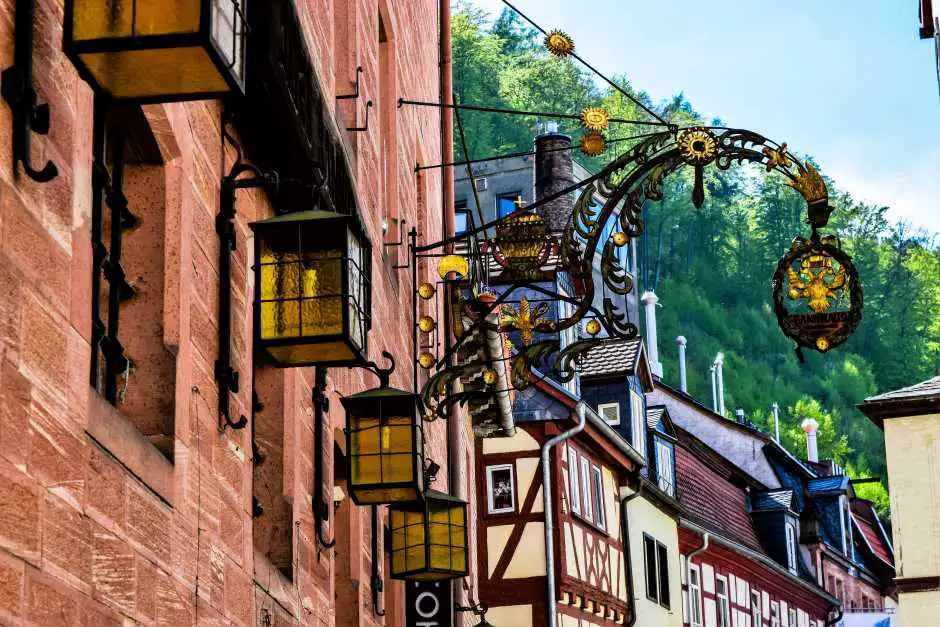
384	374
365	127
16	88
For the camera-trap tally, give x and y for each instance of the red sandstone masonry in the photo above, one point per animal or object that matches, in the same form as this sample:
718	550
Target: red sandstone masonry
83	540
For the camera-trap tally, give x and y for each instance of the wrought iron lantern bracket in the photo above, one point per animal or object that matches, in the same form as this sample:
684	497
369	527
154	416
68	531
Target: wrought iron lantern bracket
16	88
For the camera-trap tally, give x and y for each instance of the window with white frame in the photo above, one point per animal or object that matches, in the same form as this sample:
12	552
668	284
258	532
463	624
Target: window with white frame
791	547
597	488
756	620
638	422
665	466
774	614
722	602
610	412
588	510
500	489
656	563
695	597
792	619
575	496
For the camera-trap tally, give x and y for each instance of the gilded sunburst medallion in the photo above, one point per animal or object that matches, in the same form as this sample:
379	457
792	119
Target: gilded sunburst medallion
698	146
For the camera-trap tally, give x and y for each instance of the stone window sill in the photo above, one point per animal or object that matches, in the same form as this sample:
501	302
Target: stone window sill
120	437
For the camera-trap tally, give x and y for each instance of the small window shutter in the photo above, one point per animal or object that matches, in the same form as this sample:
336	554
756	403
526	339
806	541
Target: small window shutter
652	582
663	561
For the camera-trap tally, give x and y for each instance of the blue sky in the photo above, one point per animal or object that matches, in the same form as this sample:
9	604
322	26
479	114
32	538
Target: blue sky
846	81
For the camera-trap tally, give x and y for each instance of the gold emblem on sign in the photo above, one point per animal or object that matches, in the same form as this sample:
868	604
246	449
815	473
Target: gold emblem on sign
620	238
559	43
526	319
595	119
776	157
489	376
697	146
593	144
593	327
817	282
453	268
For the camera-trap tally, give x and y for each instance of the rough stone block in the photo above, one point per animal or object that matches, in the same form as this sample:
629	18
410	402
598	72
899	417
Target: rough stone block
114	570
148	523
19	517
50	602
66	543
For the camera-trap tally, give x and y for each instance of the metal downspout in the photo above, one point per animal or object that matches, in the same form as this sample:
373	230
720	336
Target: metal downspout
549	513
627	555
688	564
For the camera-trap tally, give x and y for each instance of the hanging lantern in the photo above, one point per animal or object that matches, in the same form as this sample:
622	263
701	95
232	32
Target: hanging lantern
429	538
385	447
312	288
817	294
158	51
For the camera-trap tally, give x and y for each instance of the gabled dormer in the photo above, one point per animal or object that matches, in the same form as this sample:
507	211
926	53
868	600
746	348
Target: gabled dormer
831	498
615	378
661	458
777	521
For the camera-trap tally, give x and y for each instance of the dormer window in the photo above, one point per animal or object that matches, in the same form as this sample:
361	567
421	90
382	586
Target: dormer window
846	520
638	422
610	412
665	465
791	548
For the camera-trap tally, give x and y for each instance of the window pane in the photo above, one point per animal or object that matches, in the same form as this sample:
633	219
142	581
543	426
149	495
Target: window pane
598	485
575	496
663	562
461	220
586	482
500	486
652	581
507	203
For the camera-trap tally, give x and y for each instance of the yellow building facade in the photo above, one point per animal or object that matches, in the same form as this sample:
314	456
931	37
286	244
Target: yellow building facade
910	418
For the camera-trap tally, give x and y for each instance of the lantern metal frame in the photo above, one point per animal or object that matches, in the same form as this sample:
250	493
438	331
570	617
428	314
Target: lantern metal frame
429	573
352	225
201	38
402	404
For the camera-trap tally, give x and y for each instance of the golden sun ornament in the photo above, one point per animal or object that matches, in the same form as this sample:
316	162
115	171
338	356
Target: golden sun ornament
620	238
593	327
426	360
426	291
489	376
595	119
559	43
593	144
698	146
426	324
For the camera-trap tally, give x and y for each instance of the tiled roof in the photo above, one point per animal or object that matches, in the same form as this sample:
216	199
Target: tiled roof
927	389
712	501
822	485
867	520
773	500
612	357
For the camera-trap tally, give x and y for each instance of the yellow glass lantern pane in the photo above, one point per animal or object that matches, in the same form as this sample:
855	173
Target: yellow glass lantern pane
311	353
398	562
440	557
397	468
100	19
457	536
439	534
366	470
386	495
415	558
156	72
458	559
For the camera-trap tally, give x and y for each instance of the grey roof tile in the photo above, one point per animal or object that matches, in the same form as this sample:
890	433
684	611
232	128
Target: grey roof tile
612	357
925	389
772	500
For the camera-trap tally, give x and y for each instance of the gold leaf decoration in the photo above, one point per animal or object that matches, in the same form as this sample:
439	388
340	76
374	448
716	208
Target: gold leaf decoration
559	43
816	281
595	119
593	144
697	146
809	182
526	319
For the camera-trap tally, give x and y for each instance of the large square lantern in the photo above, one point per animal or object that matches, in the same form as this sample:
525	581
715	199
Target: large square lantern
384	446
158	50
312	289
429	538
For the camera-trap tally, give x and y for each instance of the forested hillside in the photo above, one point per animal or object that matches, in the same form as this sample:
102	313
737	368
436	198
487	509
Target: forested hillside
711	267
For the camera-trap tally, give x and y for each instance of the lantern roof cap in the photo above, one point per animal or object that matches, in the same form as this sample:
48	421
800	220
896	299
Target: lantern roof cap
300	216
379	393
443	496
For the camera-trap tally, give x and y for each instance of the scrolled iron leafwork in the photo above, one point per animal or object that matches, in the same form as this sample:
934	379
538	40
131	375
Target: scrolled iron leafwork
605	216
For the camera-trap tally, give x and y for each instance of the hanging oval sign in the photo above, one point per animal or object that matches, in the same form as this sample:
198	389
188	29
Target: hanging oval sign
817	294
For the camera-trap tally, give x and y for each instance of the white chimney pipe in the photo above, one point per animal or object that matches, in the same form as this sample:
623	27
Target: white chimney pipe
811	428
714	389
652	343
683	384
720	378
776	409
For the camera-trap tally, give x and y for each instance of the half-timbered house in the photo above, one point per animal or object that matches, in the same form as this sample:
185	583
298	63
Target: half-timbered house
587	550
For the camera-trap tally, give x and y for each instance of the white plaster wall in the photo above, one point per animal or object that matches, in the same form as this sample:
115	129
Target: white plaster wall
644	517
913	452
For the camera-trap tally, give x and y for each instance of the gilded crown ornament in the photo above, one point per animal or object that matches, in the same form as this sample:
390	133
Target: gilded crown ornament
559	43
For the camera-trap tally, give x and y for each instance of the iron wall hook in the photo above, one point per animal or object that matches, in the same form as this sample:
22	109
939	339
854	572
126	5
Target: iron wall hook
17	90
365	127
355	93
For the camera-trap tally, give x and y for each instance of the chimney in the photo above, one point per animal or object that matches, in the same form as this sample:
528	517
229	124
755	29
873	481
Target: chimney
554	171
810	428
683	384
652	345
740	416
720	383
776	409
